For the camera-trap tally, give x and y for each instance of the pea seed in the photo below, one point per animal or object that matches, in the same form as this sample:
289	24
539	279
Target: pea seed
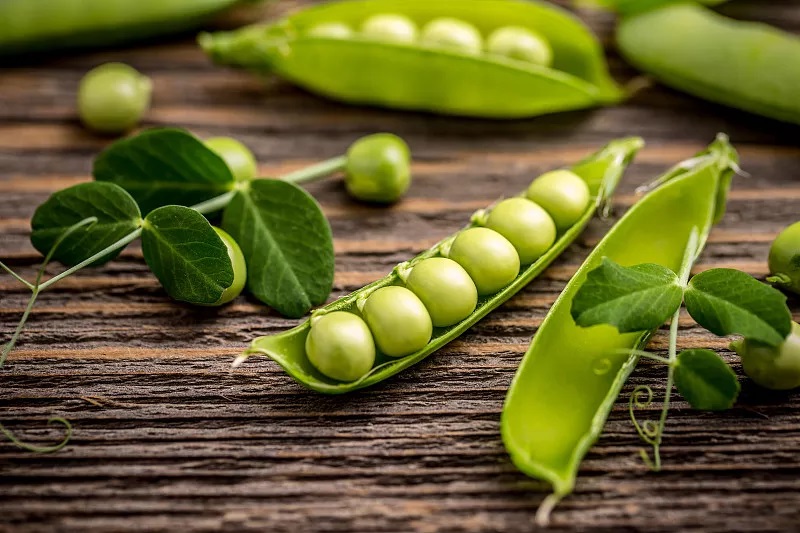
489	259
445	288
783	259
398	320
378	168
776	368
113	97
526	225
239	268
390	27
340	346
331	30
562	194
520	43
236	155
453	34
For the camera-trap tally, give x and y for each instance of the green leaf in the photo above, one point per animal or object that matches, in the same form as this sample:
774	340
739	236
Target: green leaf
637	298
164	166
727	302
116	212
705	380
287	245
187	256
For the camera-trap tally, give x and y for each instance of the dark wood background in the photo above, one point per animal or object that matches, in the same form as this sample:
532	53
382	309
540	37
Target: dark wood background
167	438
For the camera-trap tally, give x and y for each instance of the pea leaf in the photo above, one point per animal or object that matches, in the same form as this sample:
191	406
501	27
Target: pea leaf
726	302
287	245
116	212
636	298
186	255
705	380
164	166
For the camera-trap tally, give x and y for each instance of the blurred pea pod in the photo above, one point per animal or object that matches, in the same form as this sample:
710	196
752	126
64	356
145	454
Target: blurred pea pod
745	65
428	55
39	25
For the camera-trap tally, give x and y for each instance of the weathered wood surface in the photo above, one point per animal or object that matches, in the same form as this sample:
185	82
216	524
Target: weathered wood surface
168	438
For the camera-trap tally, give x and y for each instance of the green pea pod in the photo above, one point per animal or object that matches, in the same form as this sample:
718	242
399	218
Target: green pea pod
570	376
360	70
38	25
746	65
601	172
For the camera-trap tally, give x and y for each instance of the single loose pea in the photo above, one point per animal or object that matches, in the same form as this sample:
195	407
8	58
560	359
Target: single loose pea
526	225
331	30
773	367
453	34
390	27
398	320
784	259
236	155
520	43
562	194
113	98
489	259
340	345
239	268
378	168
447	291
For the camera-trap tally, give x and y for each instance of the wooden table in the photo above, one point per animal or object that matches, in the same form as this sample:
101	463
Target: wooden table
168	438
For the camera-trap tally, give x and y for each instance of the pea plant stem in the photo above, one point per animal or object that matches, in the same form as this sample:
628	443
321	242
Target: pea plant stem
690	254
315	172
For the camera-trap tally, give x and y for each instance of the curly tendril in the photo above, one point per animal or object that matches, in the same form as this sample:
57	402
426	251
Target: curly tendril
649	431
41	449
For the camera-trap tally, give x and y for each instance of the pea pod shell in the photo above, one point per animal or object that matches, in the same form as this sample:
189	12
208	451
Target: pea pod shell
570	376
38	25
601	171
399	75
746	65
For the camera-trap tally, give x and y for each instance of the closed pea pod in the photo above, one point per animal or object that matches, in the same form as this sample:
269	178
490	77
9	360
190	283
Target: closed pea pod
746	65
601	171
374	71
570	376
38	25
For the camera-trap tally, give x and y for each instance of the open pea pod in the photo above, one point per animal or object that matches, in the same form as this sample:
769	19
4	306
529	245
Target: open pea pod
600	171
570	376
361	70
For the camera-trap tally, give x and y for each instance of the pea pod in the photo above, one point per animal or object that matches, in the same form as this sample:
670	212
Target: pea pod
570	376
362	70
601	172
38	25
746	65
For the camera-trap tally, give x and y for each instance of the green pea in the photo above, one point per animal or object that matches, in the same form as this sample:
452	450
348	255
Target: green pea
489	259
390	27
520	43
526	225
378	168
776	368
784	259
398	320
453	34
562	194
331	30
113	97
236	155
340	346
239	268
447	291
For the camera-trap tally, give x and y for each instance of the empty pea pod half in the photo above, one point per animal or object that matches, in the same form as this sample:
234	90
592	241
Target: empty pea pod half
427	318
570	376
746	65
499	59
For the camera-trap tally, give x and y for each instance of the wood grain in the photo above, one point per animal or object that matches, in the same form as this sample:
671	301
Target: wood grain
168	438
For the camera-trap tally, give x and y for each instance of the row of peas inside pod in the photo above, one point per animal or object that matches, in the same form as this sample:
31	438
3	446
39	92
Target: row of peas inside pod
442	290
513	42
